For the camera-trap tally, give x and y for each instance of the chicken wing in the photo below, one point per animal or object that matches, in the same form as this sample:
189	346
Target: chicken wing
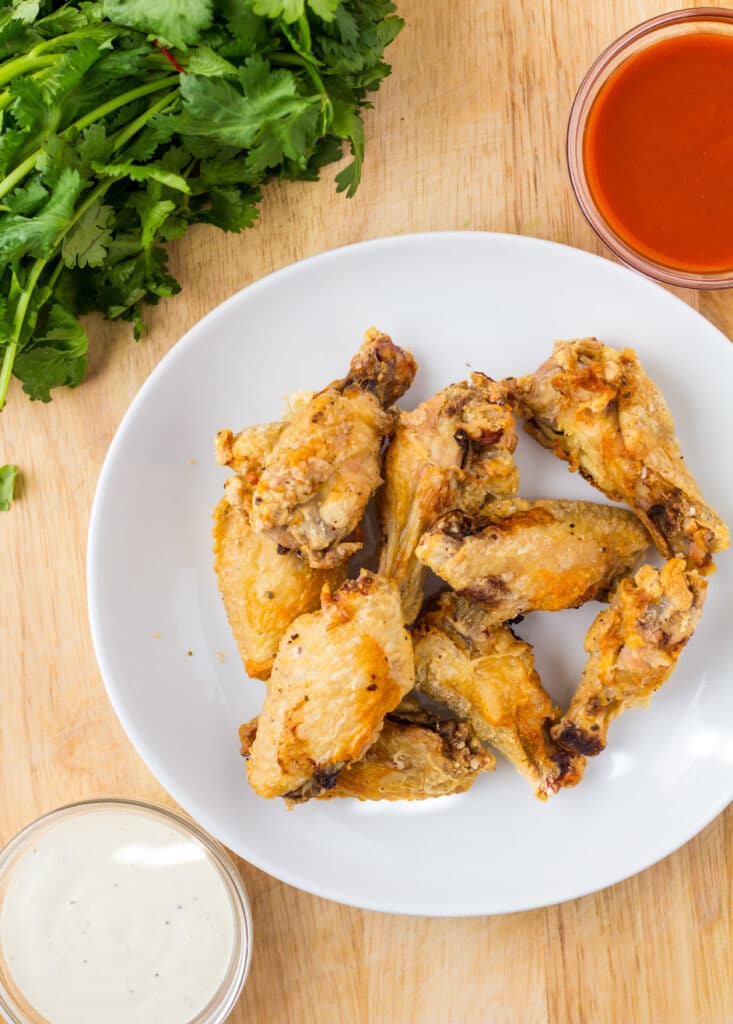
415	762
313	485
453	451
486	675
520	556
336	675
263	587
595	407
633	646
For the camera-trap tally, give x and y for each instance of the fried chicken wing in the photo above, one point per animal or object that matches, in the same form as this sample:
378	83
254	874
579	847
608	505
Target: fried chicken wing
415	762
314	483
452	451
633	646
486	675
520	556
336	675
263	588
594	406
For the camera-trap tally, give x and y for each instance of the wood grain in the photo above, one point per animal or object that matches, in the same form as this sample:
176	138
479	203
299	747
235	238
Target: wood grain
468	133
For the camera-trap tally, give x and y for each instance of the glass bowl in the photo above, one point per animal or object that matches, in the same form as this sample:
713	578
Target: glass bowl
664	26
193	845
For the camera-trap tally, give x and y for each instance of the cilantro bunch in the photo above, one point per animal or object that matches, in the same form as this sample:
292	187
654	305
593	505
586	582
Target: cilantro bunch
124	121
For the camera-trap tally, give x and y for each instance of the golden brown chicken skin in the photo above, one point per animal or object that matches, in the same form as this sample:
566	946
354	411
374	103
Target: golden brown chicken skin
336	675
415	762
520	556
486	676
263	587
633	646
452	451
312	486
594	406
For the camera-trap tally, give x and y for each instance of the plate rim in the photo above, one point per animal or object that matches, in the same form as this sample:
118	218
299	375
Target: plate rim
113	691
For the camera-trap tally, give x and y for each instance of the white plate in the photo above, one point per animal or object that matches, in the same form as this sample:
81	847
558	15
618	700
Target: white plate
458	300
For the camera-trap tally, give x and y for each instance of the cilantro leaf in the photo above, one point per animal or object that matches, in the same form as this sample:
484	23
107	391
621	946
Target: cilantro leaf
20	235
27	199
204	61
87	243
347	180
142	172
58	357
258	117
325	9
288	10
176	22
8	475
94	145
292	10
153	212
231	209
26	11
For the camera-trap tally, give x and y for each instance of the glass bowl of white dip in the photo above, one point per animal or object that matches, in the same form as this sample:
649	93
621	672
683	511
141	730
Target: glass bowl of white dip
122	912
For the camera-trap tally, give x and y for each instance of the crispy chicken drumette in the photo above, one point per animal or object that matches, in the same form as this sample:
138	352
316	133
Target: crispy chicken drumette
633	646
486	676
336	675
520	556
452	451
594	406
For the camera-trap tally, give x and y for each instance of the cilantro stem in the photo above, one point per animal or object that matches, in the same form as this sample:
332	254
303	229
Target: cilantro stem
11	180
67	37
126	133
305	32
120	101
22	65
6	371
15	66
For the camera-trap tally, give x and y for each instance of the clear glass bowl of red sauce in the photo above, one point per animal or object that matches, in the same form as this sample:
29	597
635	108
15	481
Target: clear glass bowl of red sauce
650	147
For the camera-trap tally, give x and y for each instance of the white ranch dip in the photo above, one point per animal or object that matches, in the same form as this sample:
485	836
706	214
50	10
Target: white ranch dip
117	915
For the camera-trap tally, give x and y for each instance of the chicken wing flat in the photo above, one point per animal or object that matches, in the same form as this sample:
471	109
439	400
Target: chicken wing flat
633	646
311	487
453	451
594	406
486	676
336	675
415	762
263	588
520	556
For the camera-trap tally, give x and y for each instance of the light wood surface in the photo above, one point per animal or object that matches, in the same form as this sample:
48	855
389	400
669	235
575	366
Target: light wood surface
467	133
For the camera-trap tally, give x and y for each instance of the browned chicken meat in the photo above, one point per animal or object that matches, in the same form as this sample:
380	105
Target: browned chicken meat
336	675
453	451
263	588
594	406
312	475
415	762
520	556
486	676
633	646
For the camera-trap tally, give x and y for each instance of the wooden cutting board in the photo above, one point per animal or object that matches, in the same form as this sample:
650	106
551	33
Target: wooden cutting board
468	132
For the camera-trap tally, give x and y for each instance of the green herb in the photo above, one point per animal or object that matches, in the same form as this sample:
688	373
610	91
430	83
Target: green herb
122	122
8	475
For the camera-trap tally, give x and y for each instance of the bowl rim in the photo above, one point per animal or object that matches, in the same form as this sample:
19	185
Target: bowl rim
586	92
233	983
